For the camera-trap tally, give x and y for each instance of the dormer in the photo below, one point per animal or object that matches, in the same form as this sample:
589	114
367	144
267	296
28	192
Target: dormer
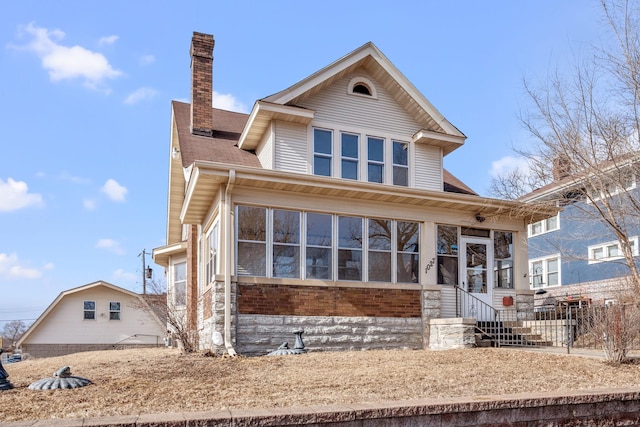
359	119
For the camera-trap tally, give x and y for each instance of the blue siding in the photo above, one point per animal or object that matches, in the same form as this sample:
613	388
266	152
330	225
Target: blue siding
577	232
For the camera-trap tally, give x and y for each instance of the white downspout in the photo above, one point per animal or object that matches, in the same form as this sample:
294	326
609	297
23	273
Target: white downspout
227	260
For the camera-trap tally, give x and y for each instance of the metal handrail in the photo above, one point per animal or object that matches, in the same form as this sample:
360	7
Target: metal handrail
478	309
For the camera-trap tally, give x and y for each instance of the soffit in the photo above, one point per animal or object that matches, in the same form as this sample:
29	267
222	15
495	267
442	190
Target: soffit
207	177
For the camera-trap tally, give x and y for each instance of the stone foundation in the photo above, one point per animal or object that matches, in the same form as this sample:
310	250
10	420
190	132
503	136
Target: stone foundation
259	334
54	350
446	334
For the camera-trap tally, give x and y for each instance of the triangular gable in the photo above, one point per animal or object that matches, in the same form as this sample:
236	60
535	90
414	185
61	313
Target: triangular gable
62	294
283	105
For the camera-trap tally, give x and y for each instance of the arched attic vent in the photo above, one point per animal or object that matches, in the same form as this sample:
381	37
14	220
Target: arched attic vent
362	86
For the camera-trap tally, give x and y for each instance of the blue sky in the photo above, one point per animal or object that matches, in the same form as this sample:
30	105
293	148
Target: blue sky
86	90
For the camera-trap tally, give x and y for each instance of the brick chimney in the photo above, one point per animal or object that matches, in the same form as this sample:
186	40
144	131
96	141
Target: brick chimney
561	167
202	84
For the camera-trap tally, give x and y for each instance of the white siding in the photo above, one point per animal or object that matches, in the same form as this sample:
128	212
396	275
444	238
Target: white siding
291	147
381	115
265	151
65	323
448	302
428	167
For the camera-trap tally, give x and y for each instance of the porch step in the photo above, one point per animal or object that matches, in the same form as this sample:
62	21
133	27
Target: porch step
482	340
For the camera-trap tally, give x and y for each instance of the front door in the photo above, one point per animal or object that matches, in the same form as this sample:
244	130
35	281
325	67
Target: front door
477	277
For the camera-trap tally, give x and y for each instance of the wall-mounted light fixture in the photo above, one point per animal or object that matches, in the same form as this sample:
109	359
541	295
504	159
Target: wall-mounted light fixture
175	153
480	218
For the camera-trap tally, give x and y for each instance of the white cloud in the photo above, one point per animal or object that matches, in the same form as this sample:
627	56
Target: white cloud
15	195
121	275
140	94
508	164
110	245
114	191
107	40
68	62
228	102
12	268
89	204
147	59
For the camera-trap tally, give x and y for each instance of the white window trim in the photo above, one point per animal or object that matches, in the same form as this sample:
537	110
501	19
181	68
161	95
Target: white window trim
604	247
545	273
269	243
84	310
173	282
545	228
363	152
119	310
618	190
365	81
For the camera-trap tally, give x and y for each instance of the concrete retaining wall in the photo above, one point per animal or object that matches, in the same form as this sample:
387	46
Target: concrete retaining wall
54	350
593	408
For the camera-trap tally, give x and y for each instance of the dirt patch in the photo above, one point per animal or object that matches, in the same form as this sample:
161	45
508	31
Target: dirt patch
162	380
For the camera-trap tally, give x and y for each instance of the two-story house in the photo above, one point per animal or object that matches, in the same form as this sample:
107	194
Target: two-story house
575	255
327	208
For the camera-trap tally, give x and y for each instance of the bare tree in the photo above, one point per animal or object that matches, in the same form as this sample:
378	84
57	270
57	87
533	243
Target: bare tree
586	128
163	302
13	330
585	153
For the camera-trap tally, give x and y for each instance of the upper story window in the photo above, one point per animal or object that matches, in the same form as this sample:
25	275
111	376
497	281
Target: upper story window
89	310
362	86
114	310
400	163
544	226
350	157
545	272
625	181
322	152
375	159
384	160
611	251
180	284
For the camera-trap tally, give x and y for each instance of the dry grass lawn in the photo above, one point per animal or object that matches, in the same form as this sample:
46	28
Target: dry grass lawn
163	380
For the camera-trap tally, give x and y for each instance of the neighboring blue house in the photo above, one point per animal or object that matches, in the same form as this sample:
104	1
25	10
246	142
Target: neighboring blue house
574	255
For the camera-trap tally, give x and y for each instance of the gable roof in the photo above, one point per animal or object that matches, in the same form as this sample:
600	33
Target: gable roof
82	288
436	129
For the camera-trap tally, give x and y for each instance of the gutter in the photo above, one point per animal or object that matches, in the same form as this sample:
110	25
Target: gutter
227	261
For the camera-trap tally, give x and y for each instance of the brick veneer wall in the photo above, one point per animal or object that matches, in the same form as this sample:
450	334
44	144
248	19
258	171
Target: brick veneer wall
292	300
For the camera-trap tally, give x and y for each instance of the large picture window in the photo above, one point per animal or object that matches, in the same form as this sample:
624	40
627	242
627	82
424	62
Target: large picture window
349	248
380	250
286	243
447	249
319	246
252	241
407	238
325	246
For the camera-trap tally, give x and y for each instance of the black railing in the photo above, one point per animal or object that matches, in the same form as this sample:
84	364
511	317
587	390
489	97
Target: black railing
487	317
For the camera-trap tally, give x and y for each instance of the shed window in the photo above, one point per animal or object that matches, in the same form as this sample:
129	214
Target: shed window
89	310
114	311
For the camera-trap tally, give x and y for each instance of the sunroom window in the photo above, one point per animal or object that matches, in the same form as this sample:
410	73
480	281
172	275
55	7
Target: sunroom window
324	246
